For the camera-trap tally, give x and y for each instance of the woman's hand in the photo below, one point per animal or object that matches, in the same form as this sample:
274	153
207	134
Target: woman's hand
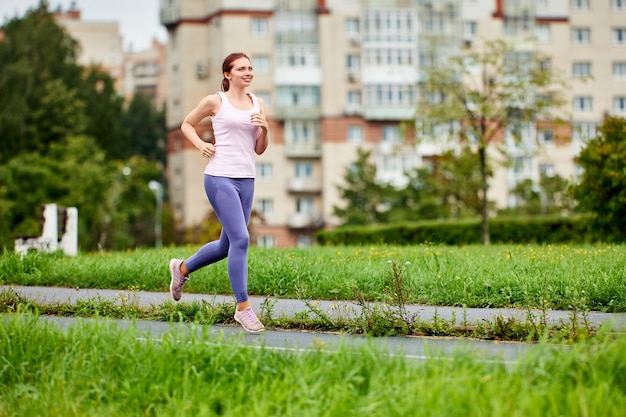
257	119
207	150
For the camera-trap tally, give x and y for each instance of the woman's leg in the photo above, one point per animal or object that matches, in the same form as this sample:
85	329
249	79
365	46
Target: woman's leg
232	201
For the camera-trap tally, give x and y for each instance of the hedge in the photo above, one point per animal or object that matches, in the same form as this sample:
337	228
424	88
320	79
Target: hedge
464	232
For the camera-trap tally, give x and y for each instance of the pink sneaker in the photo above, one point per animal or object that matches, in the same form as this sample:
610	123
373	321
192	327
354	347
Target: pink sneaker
178	279
249	320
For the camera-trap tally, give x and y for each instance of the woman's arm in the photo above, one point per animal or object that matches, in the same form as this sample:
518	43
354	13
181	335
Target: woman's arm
258	119
208	106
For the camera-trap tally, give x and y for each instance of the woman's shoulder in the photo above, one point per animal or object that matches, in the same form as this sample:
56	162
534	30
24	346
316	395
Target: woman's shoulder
211	103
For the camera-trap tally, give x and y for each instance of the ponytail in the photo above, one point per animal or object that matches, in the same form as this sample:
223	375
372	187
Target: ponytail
225	84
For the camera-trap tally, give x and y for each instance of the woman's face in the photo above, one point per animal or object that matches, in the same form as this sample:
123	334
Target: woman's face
241	72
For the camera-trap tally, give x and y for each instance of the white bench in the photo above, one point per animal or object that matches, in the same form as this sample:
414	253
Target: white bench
49	240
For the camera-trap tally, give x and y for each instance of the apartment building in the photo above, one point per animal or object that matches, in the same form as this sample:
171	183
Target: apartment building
145	73
341	74
100	42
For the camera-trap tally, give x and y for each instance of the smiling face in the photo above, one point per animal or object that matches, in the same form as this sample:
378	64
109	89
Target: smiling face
240	74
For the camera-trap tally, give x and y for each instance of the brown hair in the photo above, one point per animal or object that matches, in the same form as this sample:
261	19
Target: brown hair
227	66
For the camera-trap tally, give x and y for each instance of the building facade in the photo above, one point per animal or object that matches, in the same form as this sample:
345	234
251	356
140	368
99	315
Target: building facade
339	75
101	44
145	72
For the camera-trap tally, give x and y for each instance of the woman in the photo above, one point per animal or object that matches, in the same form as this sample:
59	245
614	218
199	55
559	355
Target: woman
240	130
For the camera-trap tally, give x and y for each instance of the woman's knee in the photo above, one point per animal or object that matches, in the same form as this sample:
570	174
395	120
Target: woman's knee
241	241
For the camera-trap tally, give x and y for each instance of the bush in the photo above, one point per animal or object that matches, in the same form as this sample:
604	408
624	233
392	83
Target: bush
502	230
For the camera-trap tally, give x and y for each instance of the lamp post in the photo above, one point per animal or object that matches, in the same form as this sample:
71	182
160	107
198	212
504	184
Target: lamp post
157	188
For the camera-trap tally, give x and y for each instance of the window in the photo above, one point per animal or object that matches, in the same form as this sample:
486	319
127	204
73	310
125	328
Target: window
304	170
389	56
547	170
261	64
543	33
545	136
520	164
618	5
579	4
304	205
265	207
305	96
581	69
354	98
352	27
390	95
618	36
619	104
391	134
581	132
469	30
355	135
266	241
581	36
582	103
390	25
298	56
353	62
259	28
619	70
264	172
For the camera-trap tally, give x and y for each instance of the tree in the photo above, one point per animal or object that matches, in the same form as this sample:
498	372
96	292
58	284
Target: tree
602	187
446	188
105	108
474	98
365	198
46	95
146	128
76	173
34	54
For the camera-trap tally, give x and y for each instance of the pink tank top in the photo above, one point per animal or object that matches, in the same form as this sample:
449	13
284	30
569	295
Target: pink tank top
235	138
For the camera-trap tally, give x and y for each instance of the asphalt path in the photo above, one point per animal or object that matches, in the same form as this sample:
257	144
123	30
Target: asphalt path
411	347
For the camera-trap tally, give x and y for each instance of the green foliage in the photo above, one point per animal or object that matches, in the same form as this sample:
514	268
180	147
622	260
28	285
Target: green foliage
463	232
550	197
472	98
66	137
37	61
364	197
145	127
105	108
96	368
546	276
114	210
602	188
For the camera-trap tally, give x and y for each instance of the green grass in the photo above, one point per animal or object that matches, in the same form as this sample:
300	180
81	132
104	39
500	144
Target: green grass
584	277
94	369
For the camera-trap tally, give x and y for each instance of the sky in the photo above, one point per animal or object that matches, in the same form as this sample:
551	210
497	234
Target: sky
138	19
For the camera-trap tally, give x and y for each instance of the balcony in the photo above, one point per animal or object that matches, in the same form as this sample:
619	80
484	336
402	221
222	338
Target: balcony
304	185
388	113
305	221
308	149
298	112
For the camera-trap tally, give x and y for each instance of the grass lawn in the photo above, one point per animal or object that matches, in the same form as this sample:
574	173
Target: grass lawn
585	277
95	369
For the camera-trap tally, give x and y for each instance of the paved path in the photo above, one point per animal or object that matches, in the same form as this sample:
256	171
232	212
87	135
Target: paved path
411	347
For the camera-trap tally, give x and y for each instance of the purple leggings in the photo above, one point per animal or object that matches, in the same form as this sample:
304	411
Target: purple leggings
231	199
